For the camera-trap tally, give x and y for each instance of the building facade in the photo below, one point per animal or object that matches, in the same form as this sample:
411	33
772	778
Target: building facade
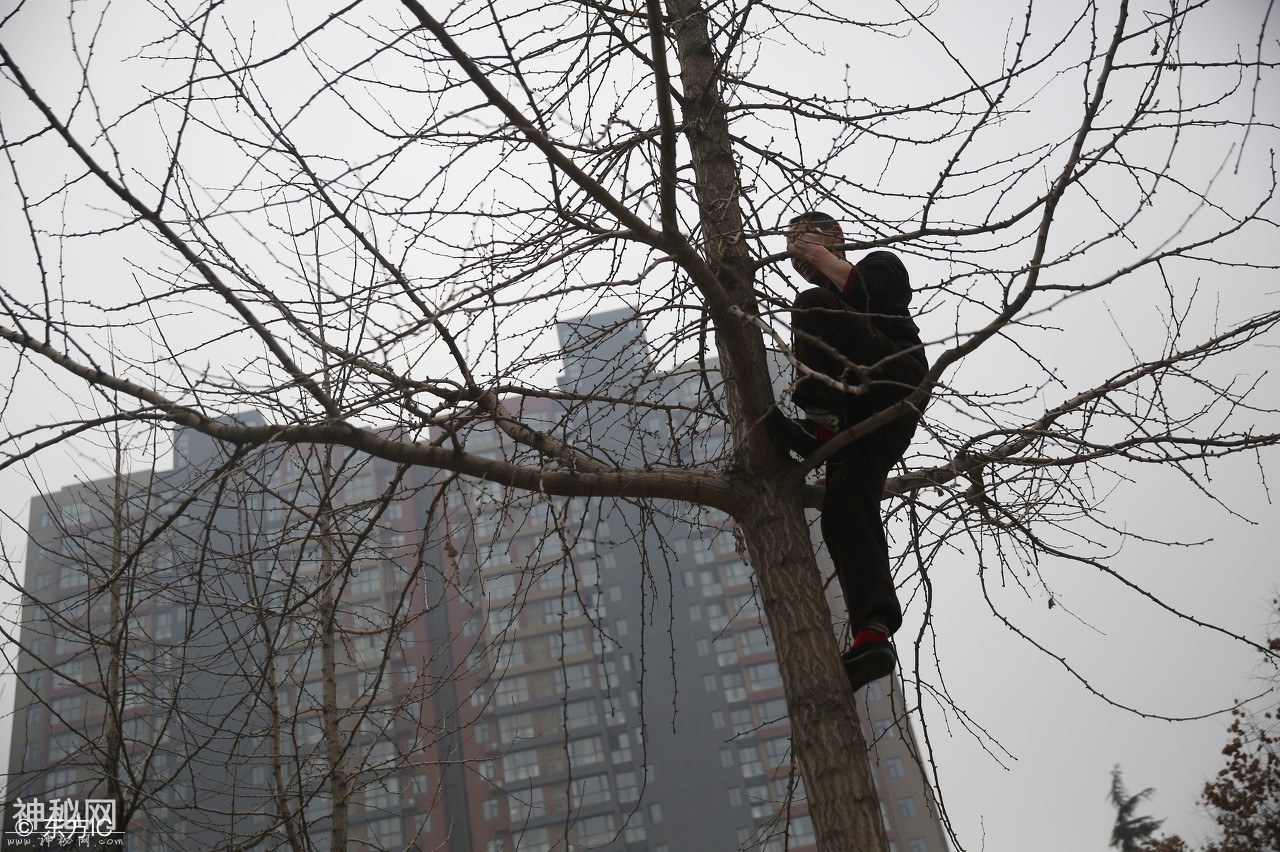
311	644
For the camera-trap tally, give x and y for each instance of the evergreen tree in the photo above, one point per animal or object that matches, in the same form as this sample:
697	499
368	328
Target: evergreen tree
1130	830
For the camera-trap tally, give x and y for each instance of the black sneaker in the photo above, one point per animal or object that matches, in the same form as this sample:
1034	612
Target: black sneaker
794	435
869	661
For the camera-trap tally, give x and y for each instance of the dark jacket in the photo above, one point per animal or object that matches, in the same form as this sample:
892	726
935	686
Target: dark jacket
880	287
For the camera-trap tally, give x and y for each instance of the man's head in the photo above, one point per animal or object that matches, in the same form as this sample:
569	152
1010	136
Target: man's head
818	227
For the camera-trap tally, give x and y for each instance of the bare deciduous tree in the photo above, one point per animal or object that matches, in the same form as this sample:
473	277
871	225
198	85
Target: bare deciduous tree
366	215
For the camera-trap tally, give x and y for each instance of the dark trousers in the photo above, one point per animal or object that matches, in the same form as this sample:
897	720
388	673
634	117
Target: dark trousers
833	339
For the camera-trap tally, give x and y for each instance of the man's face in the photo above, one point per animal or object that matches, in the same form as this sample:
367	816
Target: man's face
810	233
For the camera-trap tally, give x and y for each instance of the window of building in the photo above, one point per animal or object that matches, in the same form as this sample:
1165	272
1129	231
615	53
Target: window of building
778	750
577	676
500	587
628	791
744	607
622	748
581	714
383	753
895	767
61	745
917	844
557	609
70	577
65	644
366	579
597	830
572	641
135	695
75	513
512	690
884	728
516	726
753	641
359	488
519	765
591	790
801	831
524	804
771	712
734	689
749	760
68	710
387	832
533	840
764	676
164	621
510	653
60	781
907	807
586	751
736	573
379	799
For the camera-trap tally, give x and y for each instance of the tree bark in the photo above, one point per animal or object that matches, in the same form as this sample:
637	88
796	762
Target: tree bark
330	583
827	740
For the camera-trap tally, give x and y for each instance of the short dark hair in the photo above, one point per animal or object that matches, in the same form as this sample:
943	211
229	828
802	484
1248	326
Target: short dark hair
816	217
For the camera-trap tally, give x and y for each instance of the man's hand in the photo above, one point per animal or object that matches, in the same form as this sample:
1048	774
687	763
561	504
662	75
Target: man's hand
810	247
812	258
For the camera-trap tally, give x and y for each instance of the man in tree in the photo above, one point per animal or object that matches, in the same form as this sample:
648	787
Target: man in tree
854	333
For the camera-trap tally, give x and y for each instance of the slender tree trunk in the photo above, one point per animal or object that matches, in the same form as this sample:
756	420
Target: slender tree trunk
280	791
329	583
113	718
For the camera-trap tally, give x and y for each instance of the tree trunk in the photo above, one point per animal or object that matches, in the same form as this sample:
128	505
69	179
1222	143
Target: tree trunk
330	583
826	739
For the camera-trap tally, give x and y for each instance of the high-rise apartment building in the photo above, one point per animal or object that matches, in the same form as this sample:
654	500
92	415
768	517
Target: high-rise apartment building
252	652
